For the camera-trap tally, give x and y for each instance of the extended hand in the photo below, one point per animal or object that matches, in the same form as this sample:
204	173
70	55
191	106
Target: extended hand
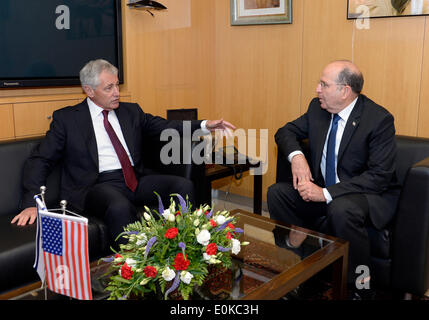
300	170
311	192
221	124
27	215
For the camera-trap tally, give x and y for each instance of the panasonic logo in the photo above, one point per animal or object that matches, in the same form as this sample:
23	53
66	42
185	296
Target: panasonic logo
10	84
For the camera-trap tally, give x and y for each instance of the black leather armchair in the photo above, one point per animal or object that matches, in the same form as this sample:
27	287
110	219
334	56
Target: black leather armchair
399	253
17	244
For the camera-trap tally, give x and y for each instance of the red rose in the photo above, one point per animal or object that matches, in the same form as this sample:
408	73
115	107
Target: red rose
207	212
231	226
180	263
213	223
171	233
150	271
211	249
126	272
228	235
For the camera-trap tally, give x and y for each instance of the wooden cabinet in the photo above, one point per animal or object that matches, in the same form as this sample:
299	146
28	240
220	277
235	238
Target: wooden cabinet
6	122
34	118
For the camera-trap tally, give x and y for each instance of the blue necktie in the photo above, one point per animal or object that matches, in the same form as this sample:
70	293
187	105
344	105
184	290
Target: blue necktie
330	175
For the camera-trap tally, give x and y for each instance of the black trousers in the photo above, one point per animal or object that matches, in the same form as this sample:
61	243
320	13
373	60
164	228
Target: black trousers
344	217
111	200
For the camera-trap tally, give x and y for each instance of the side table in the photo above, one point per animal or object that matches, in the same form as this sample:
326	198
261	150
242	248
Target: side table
216	171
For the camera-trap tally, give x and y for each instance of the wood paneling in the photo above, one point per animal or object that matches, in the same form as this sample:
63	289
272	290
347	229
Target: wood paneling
327	36
257	80
390	57
423	111
7	130
169	57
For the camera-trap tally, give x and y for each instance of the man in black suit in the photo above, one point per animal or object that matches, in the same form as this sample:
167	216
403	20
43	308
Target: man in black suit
102	171
349	178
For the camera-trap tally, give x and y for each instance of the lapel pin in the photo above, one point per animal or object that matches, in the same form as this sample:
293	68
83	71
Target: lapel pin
354	124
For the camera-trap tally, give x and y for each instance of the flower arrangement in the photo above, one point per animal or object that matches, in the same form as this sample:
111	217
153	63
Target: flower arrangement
172	252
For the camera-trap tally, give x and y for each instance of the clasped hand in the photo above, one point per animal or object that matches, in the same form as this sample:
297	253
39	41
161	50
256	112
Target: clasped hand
303	180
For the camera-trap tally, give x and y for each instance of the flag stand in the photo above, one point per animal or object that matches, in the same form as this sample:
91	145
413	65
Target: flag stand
64	237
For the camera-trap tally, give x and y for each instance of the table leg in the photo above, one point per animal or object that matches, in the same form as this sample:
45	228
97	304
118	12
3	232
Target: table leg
339	278
257	194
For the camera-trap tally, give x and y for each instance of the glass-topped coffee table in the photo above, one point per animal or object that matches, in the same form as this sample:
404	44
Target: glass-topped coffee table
268	268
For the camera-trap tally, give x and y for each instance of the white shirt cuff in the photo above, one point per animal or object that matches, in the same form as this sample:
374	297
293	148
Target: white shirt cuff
204	128
292	154
327	195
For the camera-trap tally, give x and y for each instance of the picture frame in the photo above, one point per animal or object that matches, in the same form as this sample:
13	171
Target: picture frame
253	12
386	8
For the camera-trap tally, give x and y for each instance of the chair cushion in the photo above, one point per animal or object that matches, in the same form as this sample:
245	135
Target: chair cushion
16	254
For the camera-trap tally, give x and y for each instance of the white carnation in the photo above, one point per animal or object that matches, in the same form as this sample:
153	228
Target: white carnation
168	274
130	262
220	219
186	277
203	237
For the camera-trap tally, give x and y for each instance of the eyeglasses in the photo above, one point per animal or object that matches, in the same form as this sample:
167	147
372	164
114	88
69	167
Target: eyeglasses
325	85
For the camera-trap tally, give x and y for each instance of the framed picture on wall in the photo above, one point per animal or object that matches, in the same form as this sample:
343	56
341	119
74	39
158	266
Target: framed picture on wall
247	12
386	8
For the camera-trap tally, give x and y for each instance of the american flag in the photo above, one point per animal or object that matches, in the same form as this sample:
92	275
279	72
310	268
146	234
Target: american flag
65	254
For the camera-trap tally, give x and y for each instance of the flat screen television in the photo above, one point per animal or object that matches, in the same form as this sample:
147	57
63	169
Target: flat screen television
47	42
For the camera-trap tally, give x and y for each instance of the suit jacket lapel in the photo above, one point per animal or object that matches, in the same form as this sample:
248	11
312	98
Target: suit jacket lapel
351	126
124	119
84	124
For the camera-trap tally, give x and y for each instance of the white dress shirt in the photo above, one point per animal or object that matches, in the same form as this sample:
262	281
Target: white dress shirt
107	157
344	116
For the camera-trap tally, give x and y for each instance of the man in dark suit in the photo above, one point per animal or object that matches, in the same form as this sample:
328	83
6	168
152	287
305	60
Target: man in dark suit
99	142
349	177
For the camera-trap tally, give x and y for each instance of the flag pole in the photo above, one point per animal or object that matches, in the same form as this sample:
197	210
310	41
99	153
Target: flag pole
42	194
46	289
63	205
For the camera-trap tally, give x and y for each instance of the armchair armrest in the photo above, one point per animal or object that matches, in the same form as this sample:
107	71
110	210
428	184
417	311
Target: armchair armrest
411	233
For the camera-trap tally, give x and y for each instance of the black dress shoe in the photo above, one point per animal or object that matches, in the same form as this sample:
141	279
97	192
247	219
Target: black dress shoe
362	294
